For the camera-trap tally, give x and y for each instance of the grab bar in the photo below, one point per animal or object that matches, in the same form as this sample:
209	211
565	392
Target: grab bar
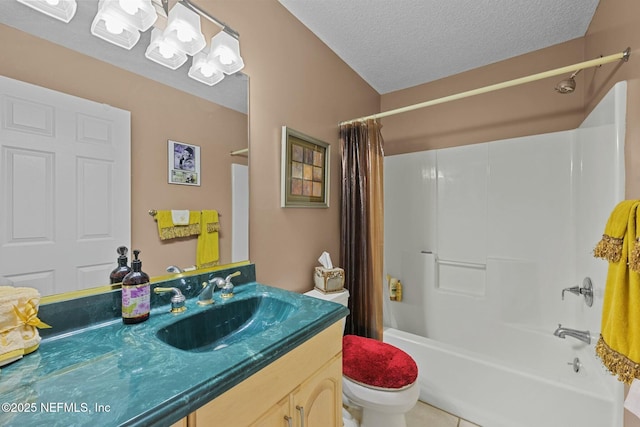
464	264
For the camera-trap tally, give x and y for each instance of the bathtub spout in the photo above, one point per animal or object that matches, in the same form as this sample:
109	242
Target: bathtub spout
583	336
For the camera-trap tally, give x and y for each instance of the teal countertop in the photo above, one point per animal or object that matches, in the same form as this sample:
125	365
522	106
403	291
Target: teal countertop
111	374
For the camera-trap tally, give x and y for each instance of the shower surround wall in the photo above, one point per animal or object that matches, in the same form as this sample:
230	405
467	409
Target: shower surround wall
484	238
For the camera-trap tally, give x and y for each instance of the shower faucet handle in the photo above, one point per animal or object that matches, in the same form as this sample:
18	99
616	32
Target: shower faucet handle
574	290
586	290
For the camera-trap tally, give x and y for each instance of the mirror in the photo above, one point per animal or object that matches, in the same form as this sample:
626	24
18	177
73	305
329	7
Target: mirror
164	105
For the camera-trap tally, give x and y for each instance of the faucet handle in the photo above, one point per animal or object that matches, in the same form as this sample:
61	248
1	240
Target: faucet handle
574	290
177	299
586	291
232	275
227	288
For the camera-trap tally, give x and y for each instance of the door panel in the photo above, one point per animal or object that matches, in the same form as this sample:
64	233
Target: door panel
65	182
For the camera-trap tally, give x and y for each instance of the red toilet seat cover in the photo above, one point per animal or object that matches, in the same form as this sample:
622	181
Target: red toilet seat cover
377	364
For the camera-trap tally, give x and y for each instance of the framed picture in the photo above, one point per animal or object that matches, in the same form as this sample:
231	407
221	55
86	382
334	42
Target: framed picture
305	170
184	163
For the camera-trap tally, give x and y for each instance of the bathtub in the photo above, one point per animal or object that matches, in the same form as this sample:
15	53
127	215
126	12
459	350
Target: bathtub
491	393
483	262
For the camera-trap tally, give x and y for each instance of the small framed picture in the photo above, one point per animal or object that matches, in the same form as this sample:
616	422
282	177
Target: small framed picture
184	163
305	170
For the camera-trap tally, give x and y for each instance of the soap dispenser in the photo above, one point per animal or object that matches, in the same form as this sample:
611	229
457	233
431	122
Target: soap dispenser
122	269
136	293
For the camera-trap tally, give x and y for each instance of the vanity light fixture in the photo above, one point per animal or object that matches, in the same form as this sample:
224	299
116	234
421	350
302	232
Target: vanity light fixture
225	52
62	10
120	21
204	70
183	30
163	52
139	13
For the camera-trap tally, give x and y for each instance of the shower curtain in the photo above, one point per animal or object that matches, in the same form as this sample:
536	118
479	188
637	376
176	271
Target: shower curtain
362	226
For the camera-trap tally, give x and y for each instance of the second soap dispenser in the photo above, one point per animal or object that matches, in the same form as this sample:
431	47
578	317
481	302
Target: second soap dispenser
136	293
122	269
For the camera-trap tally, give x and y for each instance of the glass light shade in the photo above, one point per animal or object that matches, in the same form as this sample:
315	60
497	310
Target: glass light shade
62	10
183	30
164	53
204	70
110	27
225	52
139	14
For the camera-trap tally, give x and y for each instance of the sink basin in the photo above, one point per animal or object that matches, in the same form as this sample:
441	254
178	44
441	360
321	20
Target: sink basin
223	324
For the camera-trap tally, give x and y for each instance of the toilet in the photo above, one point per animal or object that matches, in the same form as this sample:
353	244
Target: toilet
377	378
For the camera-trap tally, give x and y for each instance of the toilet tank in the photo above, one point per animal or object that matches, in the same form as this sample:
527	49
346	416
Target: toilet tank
337	297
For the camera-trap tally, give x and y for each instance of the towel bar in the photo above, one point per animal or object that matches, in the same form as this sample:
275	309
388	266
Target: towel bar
154	212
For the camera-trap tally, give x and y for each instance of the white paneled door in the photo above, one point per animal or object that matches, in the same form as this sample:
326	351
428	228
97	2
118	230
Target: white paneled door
65	180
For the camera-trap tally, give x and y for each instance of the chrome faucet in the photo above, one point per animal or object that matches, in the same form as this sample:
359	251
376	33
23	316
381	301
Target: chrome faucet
174	269
206	295
584	336
586	290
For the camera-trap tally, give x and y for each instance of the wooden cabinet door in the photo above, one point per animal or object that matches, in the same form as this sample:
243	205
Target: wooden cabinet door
181	423
318	402
278	416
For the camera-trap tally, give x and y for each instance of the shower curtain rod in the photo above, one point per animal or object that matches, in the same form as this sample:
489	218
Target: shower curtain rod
563	70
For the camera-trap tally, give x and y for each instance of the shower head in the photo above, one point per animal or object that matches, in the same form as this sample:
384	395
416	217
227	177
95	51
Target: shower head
568	85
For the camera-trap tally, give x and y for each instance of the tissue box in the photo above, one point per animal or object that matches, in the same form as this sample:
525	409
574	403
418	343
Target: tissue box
329	280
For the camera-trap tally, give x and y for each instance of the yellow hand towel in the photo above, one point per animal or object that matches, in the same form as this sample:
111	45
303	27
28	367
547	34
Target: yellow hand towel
207	254
619	342
180	217
168	230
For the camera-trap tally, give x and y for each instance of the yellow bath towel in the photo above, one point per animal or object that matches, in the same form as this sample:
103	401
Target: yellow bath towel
207	254
168	230
11	346
619	342
610	247
18	322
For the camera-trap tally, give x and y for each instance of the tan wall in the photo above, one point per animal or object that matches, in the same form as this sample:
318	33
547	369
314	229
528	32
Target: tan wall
158	113
528	109
298	82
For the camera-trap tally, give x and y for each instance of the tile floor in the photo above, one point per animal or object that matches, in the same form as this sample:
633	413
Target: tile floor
423	415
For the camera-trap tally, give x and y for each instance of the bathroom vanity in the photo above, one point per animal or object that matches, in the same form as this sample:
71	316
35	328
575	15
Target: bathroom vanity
304	384
276	358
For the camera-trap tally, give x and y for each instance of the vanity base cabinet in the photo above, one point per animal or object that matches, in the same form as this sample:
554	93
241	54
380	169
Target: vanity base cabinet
318	402
303	385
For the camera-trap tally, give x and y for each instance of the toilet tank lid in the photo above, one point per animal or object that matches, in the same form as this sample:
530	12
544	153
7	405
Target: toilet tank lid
338	297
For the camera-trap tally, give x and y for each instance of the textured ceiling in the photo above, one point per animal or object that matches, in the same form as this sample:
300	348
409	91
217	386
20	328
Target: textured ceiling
396	44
